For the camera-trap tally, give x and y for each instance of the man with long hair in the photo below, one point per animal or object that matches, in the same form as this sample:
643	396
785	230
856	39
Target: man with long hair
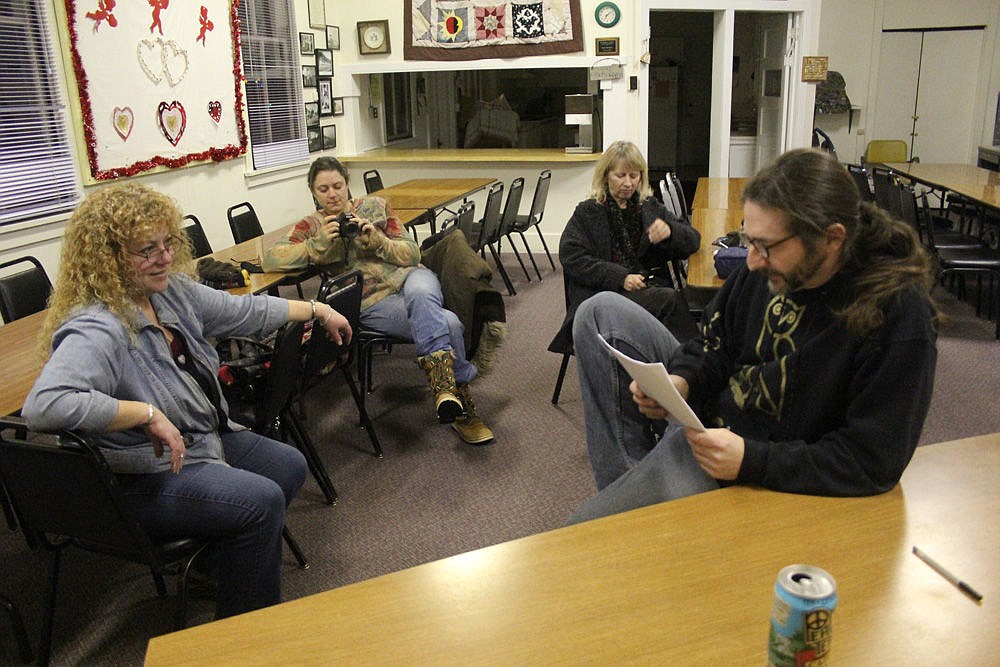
814	370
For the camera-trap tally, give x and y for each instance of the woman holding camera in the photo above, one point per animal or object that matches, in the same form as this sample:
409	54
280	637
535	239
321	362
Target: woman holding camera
400	297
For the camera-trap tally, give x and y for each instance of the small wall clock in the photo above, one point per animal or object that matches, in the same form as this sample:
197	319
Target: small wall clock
373	37
607	14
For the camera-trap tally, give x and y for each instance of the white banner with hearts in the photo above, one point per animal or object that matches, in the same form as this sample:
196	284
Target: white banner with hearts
156	84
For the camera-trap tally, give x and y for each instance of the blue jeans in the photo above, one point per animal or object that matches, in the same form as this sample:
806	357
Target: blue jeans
632	467
240	505
417	313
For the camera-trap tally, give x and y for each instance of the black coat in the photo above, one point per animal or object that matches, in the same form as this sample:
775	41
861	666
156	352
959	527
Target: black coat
585	252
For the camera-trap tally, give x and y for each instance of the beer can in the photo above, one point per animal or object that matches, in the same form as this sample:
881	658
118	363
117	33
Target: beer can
801	617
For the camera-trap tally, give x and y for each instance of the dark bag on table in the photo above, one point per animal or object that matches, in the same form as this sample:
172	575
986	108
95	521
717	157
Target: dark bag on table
728	260
220	275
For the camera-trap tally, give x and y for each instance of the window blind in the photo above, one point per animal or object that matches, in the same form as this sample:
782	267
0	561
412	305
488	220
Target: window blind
269	48
37	170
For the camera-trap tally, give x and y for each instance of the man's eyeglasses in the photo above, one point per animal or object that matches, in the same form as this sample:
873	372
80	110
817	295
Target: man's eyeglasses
152	254
764	249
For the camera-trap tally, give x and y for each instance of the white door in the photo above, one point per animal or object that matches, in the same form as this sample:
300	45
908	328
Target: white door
925	76
773	95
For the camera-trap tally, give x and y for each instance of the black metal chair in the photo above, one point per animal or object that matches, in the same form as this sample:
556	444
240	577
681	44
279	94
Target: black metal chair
886	188
196	235
343	294
65	495
509	219
243	222
983	262
17	629
373	181
534	218
24	292
274	415
494	224
245	225
860	176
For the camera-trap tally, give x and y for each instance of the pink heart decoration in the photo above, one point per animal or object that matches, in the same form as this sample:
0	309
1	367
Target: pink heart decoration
173	120
123	119
215	110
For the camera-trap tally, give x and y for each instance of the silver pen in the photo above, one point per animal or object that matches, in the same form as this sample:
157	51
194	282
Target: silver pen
955	581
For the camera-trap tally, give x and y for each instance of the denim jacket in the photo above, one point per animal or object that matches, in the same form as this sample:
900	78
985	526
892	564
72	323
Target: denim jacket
96	362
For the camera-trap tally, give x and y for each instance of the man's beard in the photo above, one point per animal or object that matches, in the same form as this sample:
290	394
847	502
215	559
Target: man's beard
799	275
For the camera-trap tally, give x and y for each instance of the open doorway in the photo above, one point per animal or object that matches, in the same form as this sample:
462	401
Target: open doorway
680	95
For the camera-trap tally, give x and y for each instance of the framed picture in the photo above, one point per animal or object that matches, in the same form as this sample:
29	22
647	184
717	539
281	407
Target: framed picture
317	13
373	37
308	76
325	88
333	37
606	46
338	106
312	114
329	136
307	43
324	62
315	138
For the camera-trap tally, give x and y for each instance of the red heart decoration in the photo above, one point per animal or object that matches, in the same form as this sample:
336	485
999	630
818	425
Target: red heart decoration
122	119
215	110
173	120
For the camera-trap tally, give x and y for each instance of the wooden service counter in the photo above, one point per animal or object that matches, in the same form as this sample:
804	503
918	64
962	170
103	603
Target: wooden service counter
490	155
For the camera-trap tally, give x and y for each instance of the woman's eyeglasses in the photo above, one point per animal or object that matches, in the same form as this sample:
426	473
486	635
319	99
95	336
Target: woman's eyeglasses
152	254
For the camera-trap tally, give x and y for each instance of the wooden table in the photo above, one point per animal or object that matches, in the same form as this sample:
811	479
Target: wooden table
429	194
253	251
688	582
717	208
21	362
967	180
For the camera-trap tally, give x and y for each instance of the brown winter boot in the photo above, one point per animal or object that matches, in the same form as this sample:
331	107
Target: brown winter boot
469	426
440	375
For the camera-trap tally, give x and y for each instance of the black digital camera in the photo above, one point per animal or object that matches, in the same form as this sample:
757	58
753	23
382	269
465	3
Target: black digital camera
349	227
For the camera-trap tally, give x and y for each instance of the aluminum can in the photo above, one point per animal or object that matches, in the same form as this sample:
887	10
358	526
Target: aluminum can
802	617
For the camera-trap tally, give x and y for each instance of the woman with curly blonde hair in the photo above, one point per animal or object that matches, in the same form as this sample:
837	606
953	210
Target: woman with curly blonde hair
130	362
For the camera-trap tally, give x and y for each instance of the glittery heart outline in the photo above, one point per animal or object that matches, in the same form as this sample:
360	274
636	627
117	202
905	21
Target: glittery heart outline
175	62
150	57
215	110
123	119
173	120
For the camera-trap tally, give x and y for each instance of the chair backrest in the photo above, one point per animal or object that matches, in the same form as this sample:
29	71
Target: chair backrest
23	292
196	235
678	188
886	150
675	198
860	176
538	200
668	201
909	211
243	222
62	489
373	181
465	218
491	214
886	192
282	379
510	209
342	293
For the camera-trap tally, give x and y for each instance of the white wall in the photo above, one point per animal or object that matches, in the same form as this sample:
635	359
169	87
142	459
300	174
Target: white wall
850	35
846	33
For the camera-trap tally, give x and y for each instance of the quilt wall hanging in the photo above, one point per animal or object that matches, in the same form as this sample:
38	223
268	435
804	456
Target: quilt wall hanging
476	29
158	81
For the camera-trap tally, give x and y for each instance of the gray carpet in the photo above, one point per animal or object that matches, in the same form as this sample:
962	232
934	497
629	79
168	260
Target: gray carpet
431	496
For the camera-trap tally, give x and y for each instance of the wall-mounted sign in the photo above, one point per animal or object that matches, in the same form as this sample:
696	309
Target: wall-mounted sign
606	46
814	68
